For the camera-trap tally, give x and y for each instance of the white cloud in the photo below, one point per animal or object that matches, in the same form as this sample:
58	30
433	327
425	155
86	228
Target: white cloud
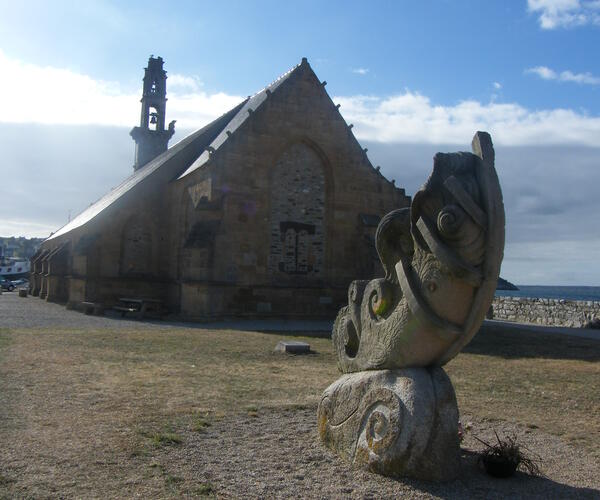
181	83
26	228
194	110
360	71
411	117
585	78
565	76
53	95
497	85
47	95
543	72
565	13
72	98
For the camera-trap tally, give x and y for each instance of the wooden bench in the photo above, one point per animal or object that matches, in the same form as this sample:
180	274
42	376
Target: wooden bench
92	308
141	307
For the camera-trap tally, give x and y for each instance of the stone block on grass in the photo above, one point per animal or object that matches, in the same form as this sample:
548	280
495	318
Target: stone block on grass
292	347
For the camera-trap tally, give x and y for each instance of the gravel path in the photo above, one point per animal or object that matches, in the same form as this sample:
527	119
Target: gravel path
32	312
277	454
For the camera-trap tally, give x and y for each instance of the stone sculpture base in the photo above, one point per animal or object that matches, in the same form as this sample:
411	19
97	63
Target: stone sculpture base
394	422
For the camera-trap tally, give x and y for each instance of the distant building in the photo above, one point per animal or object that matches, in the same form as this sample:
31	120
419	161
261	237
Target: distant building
19	246
270	209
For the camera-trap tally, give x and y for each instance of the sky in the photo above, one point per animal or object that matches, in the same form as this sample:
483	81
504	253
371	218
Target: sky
413	78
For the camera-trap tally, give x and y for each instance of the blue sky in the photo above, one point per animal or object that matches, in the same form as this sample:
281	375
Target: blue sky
447	50
413	78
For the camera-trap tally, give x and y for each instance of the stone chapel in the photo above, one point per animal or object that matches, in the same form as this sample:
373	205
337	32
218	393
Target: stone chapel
270	210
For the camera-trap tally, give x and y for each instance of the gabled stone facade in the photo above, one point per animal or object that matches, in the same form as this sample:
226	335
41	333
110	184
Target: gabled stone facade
269	210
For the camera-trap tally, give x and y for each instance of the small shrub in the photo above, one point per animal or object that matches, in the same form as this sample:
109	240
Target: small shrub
504	458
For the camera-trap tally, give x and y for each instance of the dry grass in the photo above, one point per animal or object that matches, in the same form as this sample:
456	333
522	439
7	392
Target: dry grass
101	403
89	413
541	381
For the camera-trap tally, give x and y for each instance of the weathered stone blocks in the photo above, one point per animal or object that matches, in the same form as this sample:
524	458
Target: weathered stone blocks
551	312
394	422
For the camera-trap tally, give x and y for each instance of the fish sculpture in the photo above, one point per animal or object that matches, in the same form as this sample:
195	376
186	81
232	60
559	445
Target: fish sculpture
441	259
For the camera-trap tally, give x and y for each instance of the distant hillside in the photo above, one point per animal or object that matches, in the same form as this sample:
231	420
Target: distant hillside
505	285
19	247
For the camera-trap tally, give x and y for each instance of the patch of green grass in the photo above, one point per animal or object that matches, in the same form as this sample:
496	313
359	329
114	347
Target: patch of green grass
166	439
162	438
206	490
252	410
200	424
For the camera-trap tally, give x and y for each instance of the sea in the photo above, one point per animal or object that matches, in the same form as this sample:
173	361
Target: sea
553	292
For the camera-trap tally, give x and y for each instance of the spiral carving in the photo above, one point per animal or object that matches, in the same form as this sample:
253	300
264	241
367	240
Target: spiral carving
461	233
392	421
441	258
379	296
381	424
376	428
449	221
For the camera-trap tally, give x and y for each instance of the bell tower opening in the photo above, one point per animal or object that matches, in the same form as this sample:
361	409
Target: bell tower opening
151	138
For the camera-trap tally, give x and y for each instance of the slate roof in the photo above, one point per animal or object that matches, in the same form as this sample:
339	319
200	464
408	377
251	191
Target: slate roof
213	135
196	140
249	106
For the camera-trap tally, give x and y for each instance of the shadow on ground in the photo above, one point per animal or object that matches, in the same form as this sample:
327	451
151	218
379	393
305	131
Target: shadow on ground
474	480
511	343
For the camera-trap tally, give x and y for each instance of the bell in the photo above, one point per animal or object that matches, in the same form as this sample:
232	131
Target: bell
153	118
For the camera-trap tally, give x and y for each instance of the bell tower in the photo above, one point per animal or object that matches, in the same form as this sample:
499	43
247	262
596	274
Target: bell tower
151	138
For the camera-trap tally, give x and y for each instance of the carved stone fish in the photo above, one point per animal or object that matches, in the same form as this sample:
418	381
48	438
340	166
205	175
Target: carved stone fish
442	260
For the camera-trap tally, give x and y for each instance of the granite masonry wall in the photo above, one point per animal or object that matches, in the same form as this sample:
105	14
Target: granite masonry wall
551	312
297	213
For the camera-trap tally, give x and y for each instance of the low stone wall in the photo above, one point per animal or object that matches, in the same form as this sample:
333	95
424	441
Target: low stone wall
551	312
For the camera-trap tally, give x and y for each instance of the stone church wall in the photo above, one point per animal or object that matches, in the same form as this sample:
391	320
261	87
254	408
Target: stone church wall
285	204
